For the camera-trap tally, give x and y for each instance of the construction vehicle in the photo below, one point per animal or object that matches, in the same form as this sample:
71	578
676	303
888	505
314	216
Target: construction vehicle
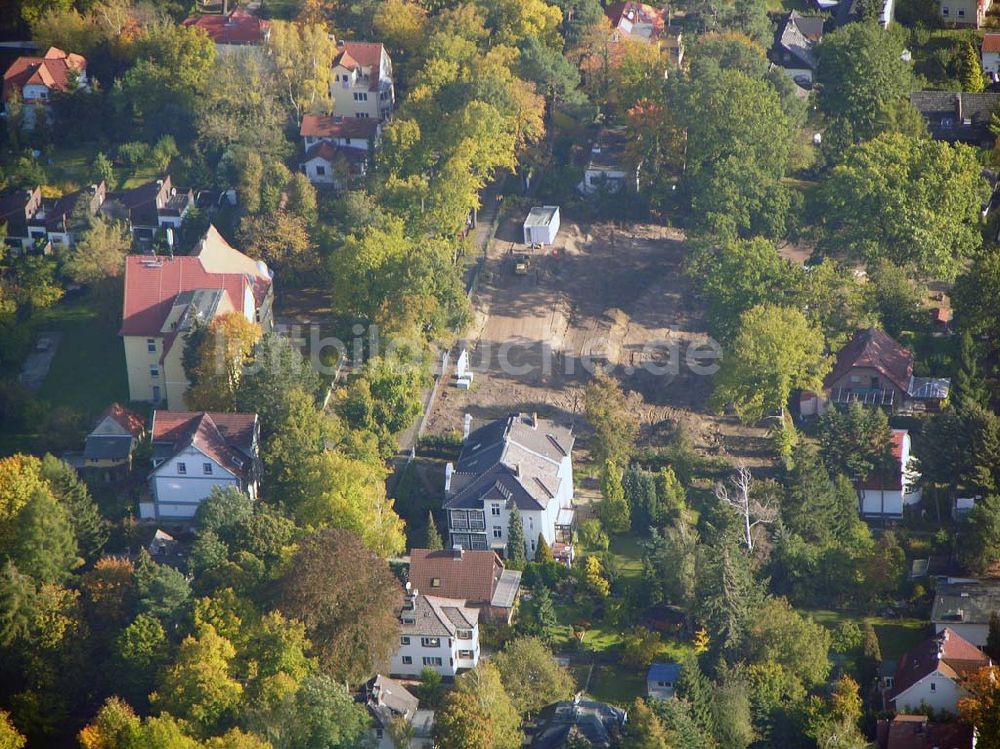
522	263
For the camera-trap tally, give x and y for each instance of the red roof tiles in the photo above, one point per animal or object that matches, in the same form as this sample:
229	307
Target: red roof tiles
946	652
991	42
51	71
874	349
152	283
130	421
221	436
356	55
468	575
320	126
917	732
238	28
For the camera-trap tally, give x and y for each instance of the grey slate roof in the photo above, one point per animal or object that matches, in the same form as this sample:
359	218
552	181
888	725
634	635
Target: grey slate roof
107	447
965	602
799	35
957	116
436	617
514	460
598	723
387	699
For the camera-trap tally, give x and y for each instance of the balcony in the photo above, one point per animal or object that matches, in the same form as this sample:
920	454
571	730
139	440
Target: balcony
865	396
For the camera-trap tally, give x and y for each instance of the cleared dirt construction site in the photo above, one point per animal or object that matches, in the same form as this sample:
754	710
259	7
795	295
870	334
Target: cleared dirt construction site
600	297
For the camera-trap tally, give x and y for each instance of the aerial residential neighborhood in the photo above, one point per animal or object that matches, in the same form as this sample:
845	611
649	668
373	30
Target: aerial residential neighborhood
467	374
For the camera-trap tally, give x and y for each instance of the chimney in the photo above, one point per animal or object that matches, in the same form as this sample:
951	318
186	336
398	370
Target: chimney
467	426
517	469
534	420
449	471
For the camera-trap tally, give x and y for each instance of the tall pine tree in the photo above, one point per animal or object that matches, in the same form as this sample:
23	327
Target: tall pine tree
968	387
432	539
516	553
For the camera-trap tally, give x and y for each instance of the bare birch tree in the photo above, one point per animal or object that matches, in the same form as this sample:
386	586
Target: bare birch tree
753	509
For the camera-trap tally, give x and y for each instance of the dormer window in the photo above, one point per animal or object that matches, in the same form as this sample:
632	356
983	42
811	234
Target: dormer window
408	620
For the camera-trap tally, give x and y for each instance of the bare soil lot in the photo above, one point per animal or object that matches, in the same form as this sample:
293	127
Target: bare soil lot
604	296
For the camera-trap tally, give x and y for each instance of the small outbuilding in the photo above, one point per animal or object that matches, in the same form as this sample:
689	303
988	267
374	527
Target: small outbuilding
661	680
542	225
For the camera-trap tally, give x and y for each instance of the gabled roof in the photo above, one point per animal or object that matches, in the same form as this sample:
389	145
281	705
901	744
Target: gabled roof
636	20
664	672
991	42
800	34
227	438
436	617
946	653
460	573
514	460
387	699
354	158
51	71
130	421
357	55
601	725
238	28
874	349
918	732
153	283
322	126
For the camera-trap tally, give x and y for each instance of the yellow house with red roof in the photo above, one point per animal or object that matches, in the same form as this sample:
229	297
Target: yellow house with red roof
166	296
362	81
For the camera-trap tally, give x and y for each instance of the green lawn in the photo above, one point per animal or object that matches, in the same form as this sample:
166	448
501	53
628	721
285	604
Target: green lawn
88	370
895	636
627	553
68	169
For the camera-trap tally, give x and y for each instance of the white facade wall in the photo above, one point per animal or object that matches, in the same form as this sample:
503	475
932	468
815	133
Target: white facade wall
417	652
177	494
533	521
595	179
991	62
935	690
313	169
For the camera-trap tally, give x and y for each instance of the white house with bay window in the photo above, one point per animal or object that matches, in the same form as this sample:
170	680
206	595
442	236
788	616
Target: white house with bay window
517	464
437	633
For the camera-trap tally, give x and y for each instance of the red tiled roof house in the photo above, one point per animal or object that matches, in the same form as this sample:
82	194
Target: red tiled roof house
477	577
194	452
362	81
991	53
233	32
337	148
165	296
931	673
36	79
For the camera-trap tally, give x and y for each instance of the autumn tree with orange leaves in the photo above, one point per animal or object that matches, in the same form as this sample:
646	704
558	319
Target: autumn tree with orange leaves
982	707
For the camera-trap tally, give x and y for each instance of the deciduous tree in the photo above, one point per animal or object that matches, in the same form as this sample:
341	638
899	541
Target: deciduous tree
531	676
347	598
931	224
478	714
222	354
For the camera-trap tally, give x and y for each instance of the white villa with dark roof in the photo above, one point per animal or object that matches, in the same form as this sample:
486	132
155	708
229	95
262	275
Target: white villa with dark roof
437	633
517	464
